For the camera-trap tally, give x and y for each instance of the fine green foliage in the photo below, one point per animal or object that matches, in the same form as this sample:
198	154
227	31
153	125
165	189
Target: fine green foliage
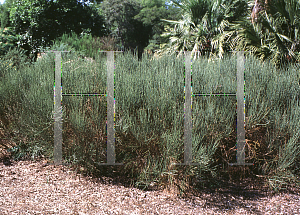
149	115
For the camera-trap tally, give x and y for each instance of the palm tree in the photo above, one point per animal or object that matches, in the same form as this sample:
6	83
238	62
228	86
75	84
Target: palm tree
272	34
202	26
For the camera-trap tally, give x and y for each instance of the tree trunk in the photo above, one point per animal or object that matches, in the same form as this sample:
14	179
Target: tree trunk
259	6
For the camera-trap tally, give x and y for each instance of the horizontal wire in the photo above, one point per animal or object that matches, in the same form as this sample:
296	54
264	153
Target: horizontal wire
83	94
214	94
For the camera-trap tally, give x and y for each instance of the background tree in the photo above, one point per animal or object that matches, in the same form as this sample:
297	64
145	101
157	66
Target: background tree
8	38
39	22
129	32
274	33
4	15
203	25
151	14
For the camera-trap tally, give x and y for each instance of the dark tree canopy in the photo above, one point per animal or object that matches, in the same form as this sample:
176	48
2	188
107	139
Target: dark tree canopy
151	15
130	33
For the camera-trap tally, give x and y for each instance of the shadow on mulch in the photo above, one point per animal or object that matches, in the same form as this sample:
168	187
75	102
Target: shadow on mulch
224	193
251	187
228	194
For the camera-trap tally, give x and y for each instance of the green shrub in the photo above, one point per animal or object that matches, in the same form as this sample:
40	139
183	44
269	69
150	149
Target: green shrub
16	58
8	39
87	44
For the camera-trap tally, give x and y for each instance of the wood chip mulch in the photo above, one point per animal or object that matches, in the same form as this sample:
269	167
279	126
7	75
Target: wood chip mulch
29	187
